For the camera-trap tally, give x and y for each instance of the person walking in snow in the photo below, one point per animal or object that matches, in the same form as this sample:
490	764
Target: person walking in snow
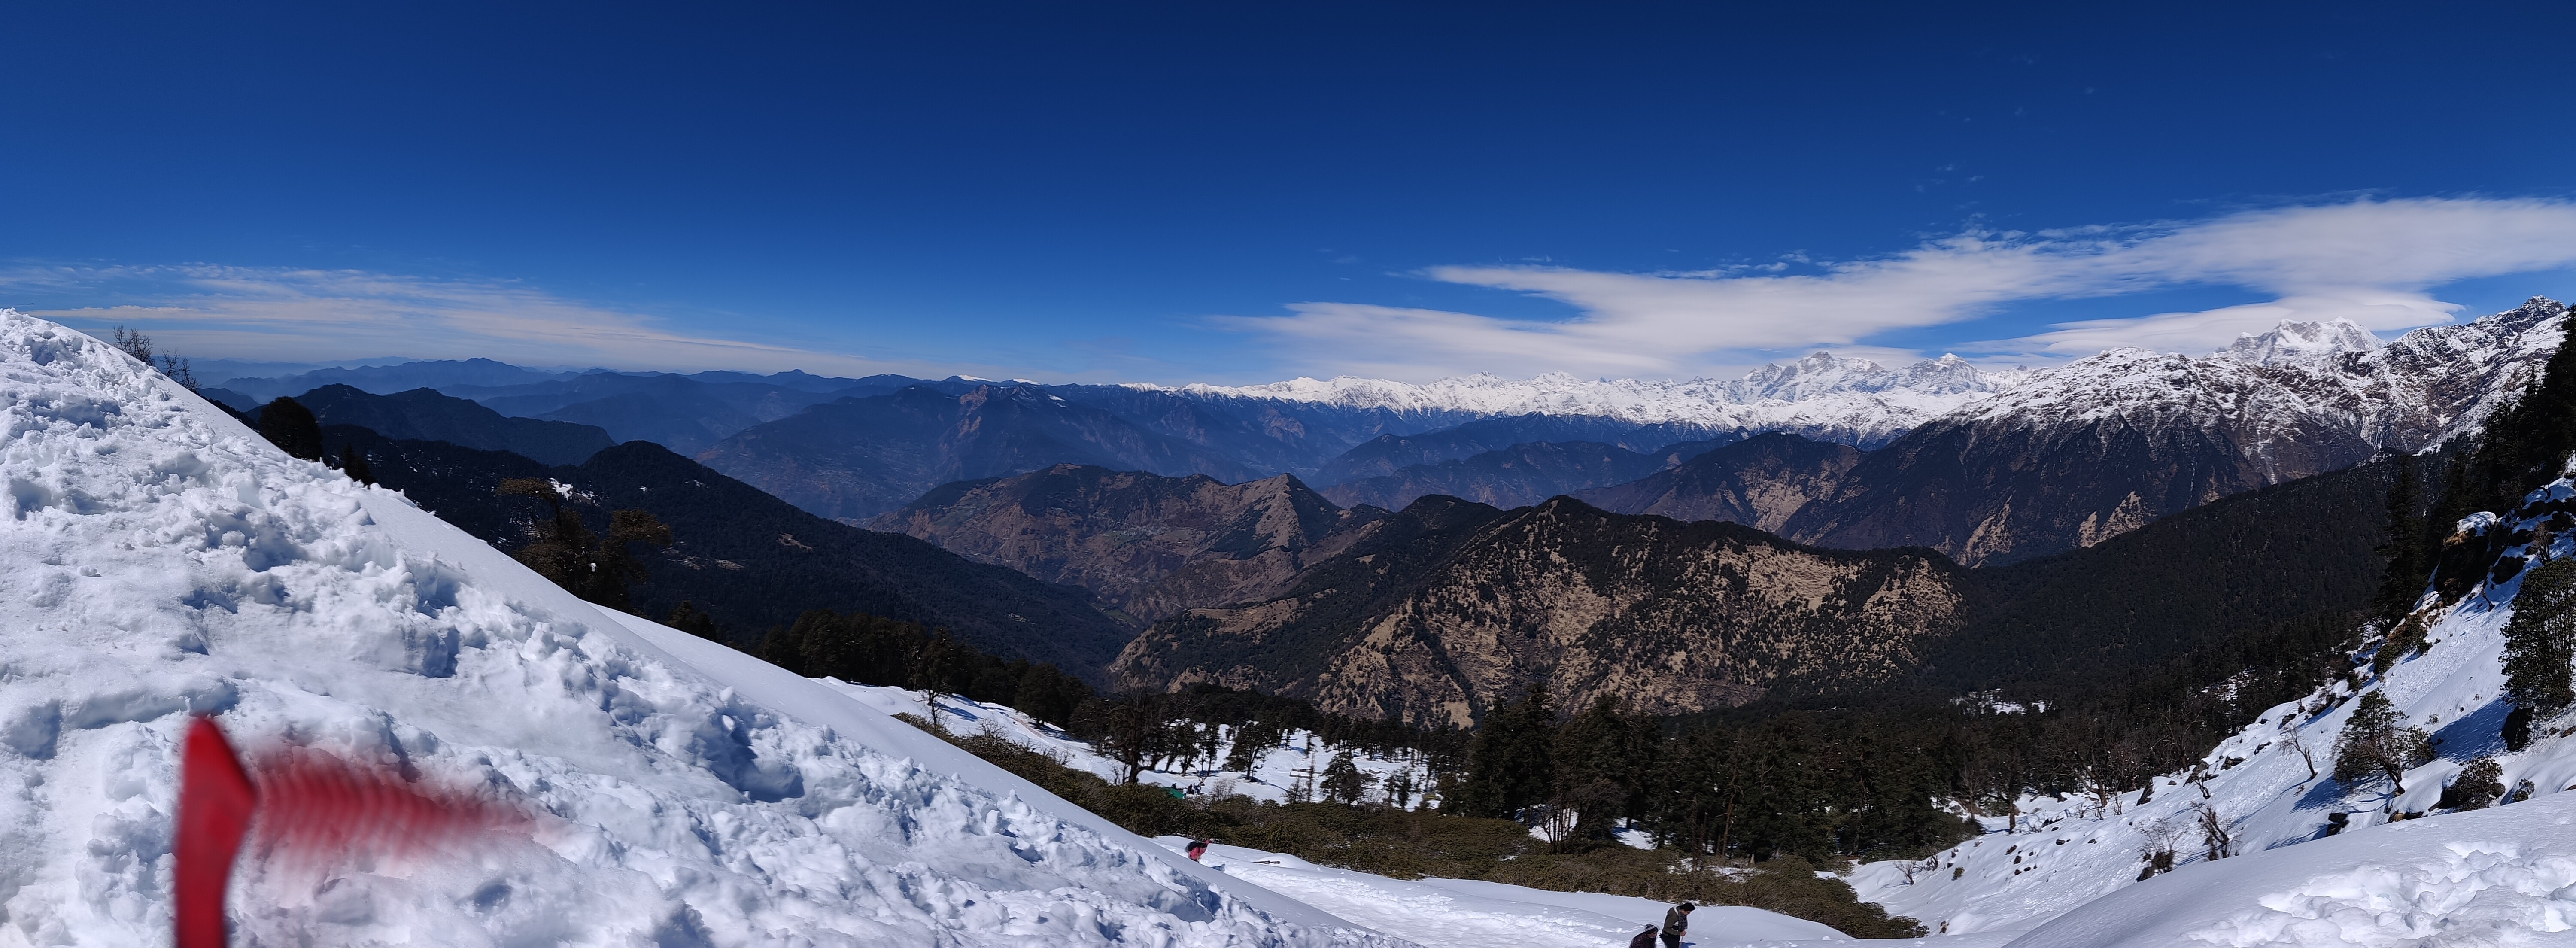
1676	922
1644	939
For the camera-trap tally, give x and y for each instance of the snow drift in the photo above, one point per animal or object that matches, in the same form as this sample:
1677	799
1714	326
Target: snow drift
158	560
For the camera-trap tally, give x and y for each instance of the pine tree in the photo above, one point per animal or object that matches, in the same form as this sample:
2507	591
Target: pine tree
2408	567
1128	728
784	646
290	426
2517	729
1210	738
1601	759
2540	640
559	545
935	671
687	617
1343	781
1250	742
562	549
1511	764
613	567
353	462
1399	789
1048	694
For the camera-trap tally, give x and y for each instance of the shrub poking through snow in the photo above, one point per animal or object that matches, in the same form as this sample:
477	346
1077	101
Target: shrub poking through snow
2480	783
2407	637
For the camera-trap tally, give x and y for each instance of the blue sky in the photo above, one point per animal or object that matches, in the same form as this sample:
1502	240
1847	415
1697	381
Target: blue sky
1235	192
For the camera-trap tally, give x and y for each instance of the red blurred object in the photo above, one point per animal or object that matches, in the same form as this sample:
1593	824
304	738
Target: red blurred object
316	808
215	806
313	809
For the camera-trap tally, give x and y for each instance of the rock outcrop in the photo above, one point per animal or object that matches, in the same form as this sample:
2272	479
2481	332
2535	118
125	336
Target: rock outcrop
1442	610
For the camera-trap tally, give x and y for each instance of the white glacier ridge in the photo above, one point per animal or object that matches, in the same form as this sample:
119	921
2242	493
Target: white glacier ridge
2406	392
1823	395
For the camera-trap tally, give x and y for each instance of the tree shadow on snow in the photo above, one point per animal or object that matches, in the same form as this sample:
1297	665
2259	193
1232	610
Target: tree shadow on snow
2480	732
2326	793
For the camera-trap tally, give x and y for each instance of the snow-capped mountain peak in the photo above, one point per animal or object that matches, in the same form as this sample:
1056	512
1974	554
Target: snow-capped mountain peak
2409	393
2302	342
1821	395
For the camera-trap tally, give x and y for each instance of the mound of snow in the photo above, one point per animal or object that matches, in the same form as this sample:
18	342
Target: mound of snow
2066	853
159	560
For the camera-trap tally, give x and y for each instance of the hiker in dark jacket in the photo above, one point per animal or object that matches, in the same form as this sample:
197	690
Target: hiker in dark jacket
1676	922
1644	939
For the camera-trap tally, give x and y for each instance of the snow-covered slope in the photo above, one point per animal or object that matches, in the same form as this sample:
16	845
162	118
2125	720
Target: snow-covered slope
1822	396
2492	878
158	560
2377	882
1273	776
1461	913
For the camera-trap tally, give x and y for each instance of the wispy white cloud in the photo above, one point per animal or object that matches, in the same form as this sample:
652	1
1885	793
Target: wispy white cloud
294	314
2372	261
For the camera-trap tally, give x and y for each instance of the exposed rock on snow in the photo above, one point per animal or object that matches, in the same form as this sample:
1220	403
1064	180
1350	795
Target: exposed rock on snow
157	559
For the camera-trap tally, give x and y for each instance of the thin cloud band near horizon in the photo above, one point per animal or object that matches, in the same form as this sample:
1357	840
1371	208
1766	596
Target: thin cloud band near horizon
2379	263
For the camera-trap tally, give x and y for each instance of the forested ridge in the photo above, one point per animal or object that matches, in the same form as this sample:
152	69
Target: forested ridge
744	559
